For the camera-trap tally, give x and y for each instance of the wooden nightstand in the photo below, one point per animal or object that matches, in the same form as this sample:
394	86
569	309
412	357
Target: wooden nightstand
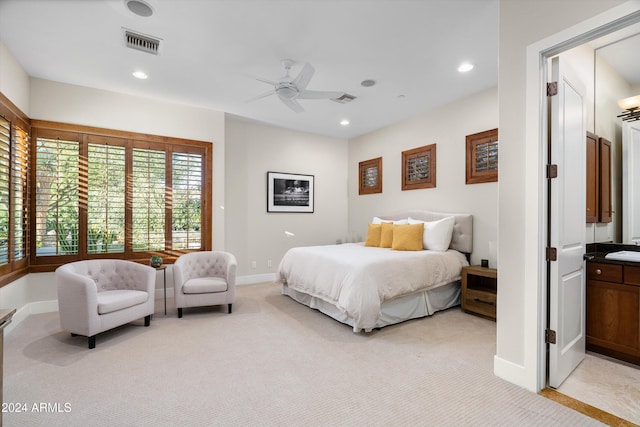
480	291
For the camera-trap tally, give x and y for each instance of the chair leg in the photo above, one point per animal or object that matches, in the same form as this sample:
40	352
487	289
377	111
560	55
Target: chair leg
92	342
230	308
179	313
147	320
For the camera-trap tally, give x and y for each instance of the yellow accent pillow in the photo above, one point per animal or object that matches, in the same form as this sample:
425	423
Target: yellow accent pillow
407	237
386	235
373	235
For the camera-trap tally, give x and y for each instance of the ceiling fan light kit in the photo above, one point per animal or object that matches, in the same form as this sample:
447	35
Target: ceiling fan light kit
289	89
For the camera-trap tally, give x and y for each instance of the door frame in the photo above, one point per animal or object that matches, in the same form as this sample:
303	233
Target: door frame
536	138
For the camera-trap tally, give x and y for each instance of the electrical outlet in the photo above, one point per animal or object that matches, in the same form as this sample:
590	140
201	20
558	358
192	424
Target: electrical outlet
269	263
253	264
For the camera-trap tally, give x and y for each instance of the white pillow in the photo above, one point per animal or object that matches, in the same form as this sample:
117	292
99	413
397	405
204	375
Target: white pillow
437	234
377	220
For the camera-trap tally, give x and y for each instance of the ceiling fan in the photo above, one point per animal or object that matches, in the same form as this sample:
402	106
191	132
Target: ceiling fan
289	89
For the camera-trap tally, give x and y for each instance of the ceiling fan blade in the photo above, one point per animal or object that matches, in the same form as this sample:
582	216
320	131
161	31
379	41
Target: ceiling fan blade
318	94
304	77
293	104
267	81
264	95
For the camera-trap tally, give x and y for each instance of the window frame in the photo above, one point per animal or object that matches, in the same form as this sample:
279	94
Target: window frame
15	269
473	176
131	140
362	167
428	151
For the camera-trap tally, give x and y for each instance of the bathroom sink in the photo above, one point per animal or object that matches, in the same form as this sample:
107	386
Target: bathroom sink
624	256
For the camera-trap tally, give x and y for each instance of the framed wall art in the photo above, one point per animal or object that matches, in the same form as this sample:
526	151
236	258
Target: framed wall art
419	168
288	192
482	157
370	176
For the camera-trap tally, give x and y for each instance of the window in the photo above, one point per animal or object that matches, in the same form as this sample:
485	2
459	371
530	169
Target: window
5	170
106	197
148	200
110	193
482	157
14	191
187	195
419	168
370	176
56	213
19	192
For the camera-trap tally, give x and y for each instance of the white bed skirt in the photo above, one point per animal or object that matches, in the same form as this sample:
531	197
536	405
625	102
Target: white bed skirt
419	304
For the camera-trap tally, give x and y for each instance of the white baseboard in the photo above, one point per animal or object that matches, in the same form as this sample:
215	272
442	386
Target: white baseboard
256	278
513	373
28	309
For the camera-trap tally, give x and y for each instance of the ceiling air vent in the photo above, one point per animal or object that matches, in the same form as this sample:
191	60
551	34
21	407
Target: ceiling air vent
345	98
141	42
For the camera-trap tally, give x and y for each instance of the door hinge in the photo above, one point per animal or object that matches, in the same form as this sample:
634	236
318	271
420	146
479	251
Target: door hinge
552	89
552	254
552	171
549	336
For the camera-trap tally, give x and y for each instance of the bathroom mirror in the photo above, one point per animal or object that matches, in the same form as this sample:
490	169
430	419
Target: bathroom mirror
617	76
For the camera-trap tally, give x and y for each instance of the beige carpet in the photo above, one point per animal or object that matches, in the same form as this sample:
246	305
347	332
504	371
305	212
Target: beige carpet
273	362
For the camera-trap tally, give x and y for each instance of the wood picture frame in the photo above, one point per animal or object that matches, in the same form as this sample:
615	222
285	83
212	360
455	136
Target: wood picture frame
289	192
482	157
370	176
419	168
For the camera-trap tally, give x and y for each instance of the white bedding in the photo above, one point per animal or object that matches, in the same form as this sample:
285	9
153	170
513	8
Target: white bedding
357	279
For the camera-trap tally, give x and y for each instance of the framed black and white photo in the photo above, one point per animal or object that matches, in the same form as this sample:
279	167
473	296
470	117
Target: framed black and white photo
288	192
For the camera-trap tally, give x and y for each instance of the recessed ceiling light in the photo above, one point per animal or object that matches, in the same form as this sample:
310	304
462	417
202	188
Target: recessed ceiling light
140	75
368	83
344	122
465	66
139	7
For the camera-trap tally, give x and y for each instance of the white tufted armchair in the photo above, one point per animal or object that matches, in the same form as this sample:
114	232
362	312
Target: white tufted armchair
97	295
204	278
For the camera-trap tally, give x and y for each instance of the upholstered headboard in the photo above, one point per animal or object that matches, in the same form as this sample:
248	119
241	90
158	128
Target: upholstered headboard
462	239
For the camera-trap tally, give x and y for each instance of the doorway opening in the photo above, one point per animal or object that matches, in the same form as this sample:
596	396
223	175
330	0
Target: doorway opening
545	55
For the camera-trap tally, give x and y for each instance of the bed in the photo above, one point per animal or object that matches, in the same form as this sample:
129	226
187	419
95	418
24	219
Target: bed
372	287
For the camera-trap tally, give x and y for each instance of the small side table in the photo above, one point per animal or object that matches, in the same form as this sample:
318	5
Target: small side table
164	278
480	291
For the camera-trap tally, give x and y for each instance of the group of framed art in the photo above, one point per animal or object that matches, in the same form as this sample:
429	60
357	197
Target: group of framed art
288	192
419	165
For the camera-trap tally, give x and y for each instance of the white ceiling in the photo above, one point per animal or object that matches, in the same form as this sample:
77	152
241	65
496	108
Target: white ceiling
212	51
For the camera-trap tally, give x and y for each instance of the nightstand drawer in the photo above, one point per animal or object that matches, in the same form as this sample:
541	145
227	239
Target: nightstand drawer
480	302
604	272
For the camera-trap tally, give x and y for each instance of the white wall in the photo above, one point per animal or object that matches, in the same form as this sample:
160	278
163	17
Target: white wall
14	81
520	190
253	149
447	127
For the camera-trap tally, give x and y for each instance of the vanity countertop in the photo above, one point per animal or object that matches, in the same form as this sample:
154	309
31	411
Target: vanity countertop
596	252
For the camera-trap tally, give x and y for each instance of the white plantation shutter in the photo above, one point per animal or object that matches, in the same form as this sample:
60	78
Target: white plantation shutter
148	200
57	168
5	165
20	193
106	198
186	200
